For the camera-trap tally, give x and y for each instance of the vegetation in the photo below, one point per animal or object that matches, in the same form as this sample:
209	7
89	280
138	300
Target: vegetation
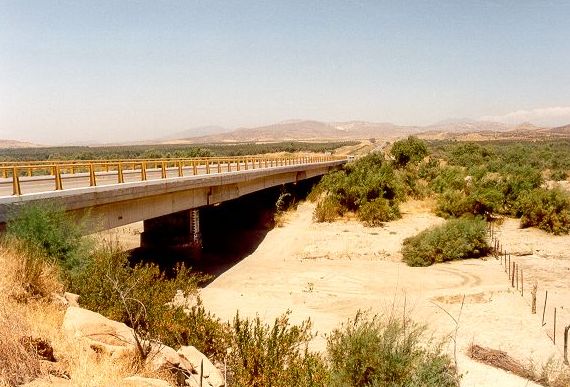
386	352
370	187
502	178
547	209
277	355
409	151
164	151
257	354
47	229
456	239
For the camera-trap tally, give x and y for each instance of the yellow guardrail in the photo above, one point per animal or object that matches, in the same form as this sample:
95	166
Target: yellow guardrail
55	169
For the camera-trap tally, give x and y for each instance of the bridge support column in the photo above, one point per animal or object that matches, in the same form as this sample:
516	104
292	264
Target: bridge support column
180	229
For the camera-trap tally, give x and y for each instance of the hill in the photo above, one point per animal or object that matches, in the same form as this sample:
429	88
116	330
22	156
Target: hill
12	144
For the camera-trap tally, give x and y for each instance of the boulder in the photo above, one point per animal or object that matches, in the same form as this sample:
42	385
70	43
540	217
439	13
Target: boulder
71	298
211	374
115	339
104	335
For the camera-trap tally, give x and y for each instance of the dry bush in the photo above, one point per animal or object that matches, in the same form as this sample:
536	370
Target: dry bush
17	365
551	374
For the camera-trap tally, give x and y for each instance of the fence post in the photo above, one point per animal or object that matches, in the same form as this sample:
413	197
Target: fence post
554	332
180	169
513	274
522	283
533	295
544	309
566	344
163	169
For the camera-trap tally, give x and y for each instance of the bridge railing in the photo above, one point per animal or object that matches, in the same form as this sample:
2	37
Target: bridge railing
120	171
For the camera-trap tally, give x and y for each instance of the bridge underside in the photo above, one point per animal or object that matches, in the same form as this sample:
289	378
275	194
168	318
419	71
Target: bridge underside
177	196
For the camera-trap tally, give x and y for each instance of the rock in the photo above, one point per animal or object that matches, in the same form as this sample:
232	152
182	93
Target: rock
103	334
71	298
163	357
211	374
116	339
59	300
139	381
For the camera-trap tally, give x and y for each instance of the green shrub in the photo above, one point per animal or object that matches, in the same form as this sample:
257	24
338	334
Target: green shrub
278	355
409	151
448	178
374	352
456	239
361	182
49	229
559	175
453	204
327	210
377	211
546	209
142	296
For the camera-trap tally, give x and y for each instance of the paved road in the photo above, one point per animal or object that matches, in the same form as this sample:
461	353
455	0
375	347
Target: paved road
38	184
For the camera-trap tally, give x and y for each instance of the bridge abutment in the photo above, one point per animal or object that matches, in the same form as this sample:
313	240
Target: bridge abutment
180	229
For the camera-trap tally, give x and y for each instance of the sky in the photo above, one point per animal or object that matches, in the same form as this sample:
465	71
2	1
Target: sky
108	71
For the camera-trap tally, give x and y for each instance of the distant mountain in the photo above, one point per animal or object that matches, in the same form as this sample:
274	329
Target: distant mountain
561	130
309	130
11	144
194	132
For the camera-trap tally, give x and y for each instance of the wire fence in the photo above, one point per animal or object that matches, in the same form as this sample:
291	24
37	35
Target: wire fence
521	280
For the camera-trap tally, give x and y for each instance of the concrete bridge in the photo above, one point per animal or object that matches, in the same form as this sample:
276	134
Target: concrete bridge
165	194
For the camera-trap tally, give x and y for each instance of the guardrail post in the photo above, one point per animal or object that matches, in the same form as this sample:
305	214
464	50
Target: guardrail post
143	171
229	165
180	169
92	181
120	176
252	163
207	167
30	171
194	168
163	170
15	182
5	173
58	185
246	163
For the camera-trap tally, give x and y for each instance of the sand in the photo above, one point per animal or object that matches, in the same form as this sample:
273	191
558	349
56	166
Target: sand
326	272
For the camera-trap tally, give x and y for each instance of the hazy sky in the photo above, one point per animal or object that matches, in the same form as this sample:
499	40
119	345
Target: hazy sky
116	70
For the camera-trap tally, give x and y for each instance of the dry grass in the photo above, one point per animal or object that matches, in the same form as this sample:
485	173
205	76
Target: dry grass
27	283
25	273
17	365
552	373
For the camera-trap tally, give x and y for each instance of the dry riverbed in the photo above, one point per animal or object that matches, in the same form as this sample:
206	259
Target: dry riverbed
327	272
